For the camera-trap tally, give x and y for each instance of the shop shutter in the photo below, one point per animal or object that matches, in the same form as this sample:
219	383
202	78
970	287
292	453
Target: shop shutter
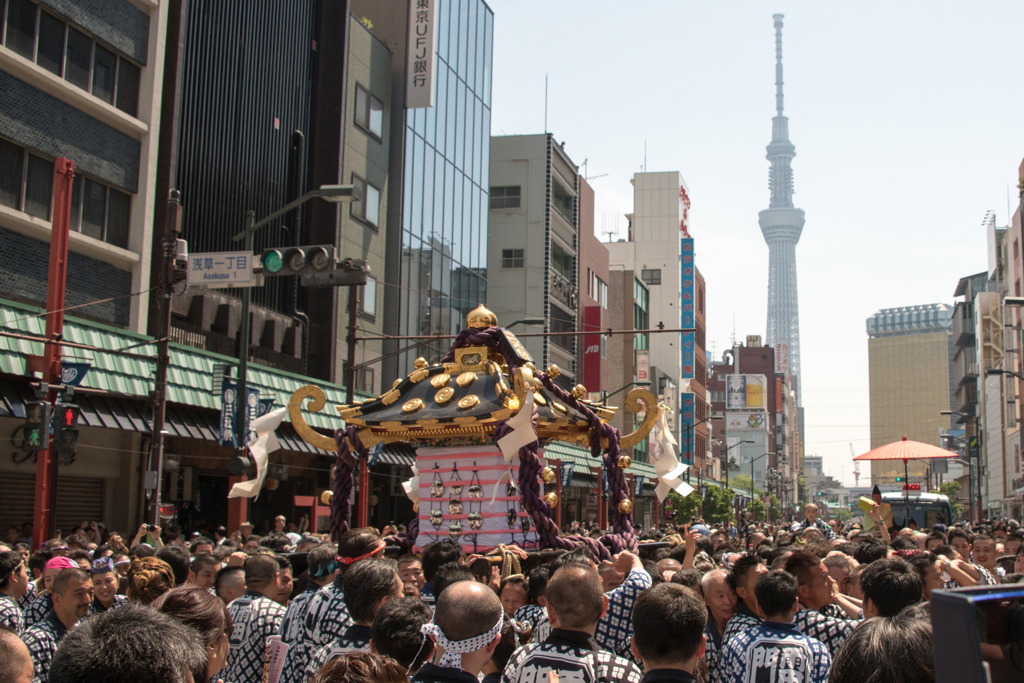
78	500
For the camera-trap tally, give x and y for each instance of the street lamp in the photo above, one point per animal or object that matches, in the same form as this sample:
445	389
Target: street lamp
689	434
740	443
525	321
970	457
752	478
331	193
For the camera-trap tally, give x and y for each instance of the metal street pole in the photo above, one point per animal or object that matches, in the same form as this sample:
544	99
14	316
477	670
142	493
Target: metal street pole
172	228
242	430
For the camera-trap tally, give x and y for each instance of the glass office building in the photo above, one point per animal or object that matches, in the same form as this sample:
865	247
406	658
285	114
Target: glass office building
443	272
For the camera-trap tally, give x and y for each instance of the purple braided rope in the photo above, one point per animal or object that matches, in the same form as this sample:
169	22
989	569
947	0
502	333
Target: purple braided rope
342	500
406	541
622	524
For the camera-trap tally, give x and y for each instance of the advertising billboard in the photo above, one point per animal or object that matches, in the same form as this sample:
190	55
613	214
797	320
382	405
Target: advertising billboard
781	356
745	392
735	422
689	344
592	348
778	394
643	366
688	284
686	414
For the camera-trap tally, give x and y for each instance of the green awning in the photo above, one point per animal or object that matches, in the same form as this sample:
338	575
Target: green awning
581	458
189	377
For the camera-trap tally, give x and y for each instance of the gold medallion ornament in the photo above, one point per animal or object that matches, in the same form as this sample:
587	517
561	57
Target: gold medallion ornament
412	406
326	497
540	400
625	506
624	462
579	391
438	381
559	407
444	395
419	363
468	402
465	379
547	475
551	498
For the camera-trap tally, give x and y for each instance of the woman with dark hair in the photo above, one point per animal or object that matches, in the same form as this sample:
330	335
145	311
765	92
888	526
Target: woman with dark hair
887	650
360	667
148	579
203	611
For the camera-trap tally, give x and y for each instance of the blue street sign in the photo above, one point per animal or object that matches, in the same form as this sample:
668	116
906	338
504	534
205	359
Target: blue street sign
604	481
252	406
638	485
72	374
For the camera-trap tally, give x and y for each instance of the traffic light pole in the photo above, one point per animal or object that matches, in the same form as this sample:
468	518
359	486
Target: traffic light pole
172	228
46	462
243	343
363	501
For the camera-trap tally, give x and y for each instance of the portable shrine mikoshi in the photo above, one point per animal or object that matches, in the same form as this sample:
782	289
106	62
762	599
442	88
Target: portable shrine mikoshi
479	420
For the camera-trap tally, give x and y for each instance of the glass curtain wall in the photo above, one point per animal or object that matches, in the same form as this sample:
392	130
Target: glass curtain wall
447	158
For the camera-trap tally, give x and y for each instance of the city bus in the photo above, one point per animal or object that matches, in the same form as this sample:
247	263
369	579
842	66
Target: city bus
927	509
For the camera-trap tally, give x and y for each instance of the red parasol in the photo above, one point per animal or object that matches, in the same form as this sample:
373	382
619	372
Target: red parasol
906	450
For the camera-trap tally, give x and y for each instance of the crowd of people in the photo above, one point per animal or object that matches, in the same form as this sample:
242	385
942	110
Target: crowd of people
808	601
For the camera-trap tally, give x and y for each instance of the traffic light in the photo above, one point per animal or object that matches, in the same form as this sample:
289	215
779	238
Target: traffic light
899	478
303	261
821	493
37	426
65	431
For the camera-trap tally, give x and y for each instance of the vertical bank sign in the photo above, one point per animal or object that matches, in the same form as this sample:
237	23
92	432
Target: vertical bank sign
420	54
687	425
687	318
592	348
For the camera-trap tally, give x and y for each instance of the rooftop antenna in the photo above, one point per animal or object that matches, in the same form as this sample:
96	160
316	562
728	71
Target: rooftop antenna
733	330
545	102
645	155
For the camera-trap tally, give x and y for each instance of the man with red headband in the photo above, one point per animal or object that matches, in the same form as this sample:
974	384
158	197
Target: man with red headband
327	616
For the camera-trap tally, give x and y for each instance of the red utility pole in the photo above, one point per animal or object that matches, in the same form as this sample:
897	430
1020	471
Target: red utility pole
46	462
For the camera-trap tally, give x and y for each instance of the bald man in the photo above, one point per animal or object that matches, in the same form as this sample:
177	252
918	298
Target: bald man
14	657
466	629
669	567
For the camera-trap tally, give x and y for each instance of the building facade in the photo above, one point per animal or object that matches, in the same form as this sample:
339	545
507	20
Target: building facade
534	246
659	248
911	368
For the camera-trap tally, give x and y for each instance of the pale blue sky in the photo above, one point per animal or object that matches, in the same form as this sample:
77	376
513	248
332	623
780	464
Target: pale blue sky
908	120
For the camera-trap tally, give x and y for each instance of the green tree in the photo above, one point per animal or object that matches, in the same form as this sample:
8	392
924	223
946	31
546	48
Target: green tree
685	507
756	509
718	504
844	515
743	481
950	489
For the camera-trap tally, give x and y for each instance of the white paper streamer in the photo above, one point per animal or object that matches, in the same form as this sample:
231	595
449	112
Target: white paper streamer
261	447
666	464
522	430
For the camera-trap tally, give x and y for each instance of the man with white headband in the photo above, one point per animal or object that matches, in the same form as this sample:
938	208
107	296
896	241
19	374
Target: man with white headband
465	630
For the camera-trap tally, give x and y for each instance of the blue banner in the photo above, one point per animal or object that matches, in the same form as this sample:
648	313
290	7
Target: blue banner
72	374
228	411
566	473
688	284
605	488
686	423
264	406
252	406
374	454
689	345
638	485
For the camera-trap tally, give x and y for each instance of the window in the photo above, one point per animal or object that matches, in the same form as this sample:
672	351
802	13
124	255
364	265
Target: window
562	201
38	187
12	158
512	258
369	112
366	209
561	262
597	289
651	276
368	299
564	323
364	380
64	50
506	197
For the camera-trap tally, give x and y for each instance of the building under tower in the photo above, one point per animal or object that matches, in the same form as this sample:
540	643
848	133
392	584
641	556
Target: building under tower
781	223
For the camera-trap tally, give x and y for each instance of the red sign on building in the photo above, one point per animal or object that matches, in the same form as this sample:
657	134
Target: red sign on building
592	348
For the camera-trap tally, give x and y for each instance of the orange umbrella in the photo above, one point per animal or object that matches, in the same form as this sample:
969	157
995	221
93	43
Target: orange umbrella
906	450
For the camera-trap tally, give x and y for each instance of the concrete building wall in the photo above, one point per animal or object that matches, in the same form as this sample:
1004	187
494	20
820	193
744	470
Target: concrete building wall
908	389
365	157
594	295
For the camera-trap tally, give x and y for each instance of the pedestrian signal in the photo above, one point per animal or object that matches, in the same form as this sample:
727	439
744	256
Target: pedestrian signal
65	430
37	426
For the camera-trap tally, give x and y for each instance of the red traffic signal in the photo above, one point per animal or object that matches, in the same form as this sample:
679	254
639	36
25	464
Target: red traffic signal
65	428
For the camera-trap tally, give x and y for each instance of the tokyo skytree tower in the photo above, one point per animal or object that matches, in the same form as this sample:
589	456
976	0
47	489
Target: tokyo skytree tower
781	225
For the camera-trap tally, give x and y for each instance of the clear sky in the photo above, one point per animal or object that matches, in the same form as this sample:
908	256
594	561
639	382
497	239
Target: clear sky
908	121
